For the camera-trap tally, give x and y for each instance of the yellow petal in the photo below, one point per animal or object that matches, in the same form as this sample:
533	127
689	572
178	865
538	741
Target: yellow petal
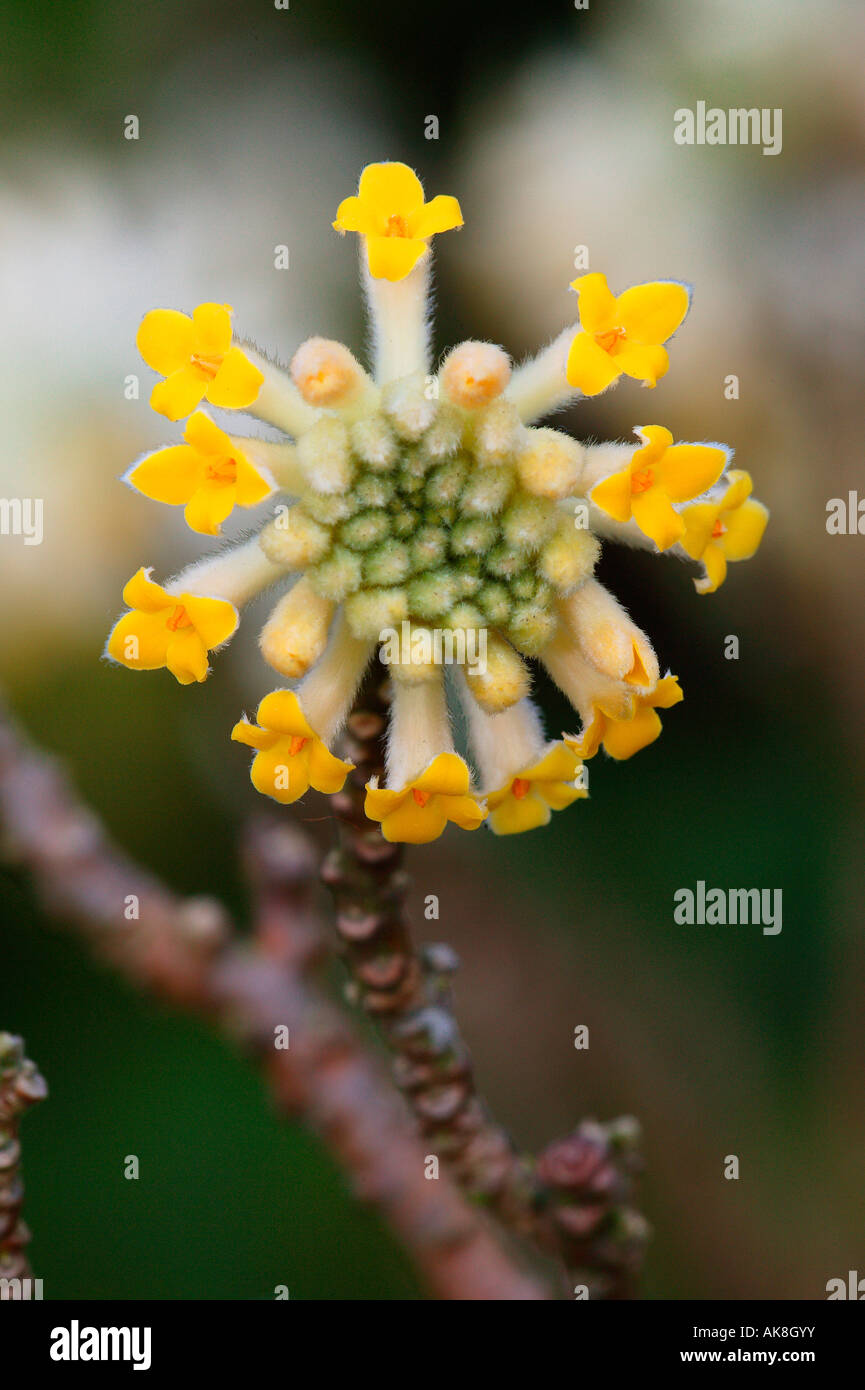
246	732
208	507
715	566
686	470
597	303
252	486
411	824
393	257
699	522
656	439
745	529
641	361
170	475
214	619
327	773
237	383
447	774
464	811
281	710
739	487
353	216
206	436
558	795
212	324
186	656
559	764
141	592
390	189
382	801
514	816
651	313
656	518
151	636
592	736
280	763
613	495
589	369
179	393
440	215
667	693
625	737
164	340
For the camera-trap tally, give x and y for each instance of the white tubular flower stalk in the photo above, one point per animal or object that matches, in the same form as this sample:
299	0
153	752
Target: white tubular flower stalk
278	401
236	574
600	460
583	684
608	638
502	744
419	729
540	386
327	693
295	634
399	312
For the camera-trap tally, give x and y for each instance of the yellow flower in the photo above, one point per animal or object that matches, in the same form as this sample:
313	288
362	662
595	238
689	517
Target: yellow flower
623	334
529	798
173	630
623	737
419	812
209	474
730	528
290	757
197	359
655	477
389	210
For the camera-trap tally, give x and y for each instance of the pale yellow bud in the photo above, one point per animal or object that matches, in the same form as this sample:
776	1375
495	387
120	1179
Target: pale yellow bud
505	680
475	373
325	373
295	634
568	558
550	464
608	638
294	540
324	458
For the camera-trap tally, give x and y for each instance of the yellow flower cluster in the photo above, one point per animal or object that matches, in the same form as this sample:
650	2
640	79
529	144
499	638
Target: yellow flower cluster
426	517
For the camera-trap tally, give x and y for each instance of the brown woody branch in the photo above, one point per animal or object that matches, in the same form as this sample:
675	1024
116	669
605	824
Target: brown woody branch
184	950
573	1202
20	1087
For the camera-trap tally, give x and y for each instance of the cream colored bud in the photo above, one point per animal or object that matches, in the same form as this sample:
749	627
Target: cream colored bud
475	373
608	638
568	558
371	611
295	634
505	680
550	464
325	373
294	540
323	455
498	433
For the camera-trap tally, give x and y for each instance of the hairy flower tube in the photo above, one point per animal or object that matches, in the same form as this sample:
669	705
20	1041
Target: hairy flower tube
424	514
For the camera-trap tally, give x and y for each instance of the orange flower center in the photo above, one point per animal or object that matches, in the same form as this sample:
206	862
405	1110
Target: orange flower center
396	225
295	745
208	365
420	797
719	529
642	480
222	470
607	341
521	787
178	618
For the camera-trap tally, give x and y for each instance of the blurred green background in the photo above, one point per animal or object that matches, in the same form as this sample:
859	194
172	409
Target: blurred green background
555	130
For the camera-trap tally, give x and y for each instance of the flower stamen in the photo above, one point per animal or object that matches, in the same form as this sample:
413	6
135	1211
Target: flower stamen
178	618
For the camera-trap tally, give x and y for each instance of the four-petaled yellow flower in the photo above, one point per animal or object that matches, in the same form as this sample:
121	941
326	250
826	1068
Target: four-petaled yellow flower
419	812
655	477
209	475
623	737
730	528
290	757
196	357
173	630
389	210
528	799
624	334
